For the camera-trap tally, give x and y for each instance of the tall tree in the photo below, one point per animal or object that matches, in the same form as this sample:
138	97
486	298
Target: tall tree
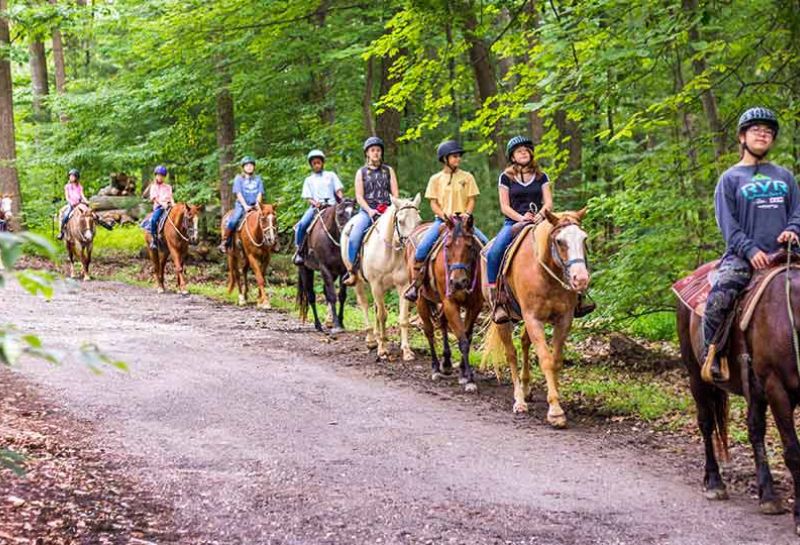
9	182
39	84
226	138
58	59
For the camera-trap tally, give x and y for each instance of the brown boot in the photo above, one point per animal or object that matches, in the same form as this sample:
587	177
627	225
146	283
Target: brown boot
499	308
585	305
351	276
227	239
416	281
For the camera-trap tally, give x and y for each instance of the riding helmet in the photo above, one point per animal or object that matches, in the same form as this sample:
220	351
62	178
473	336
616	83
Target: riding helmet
758	115
74	172
160	169
449	147
373	141
247	159
516	142
315	154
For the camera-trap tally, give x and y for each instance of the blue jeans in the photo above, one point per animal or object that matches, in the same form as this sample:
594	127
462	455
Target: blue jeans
495	255
236	216
360	225
65	217
303	225
154	219
432	235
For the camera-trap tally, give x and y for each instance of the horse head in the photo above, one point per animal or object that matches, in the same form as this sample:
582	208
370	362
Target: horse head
343	211
191	220
405	217
567	243
461	253
85	222
268	223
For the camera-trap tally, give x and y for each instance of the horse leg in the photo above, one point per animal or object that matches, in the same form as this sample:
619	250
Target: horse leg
177	262
555	414
342	299
162	270
71	255
447	367
363	303
255	265
405	310
380	321
311	296
329	284
506	334
86	259
708	399
768	502
783	413
462	331
426	317
525	346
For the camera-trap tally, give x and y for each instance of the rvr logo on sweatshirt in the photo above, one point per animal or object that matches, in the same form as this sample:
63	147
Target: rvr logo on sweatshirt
764	187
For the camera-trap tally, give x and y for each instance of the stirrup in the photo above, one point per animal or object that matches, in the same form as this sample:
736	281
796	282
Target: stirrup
349	278
715	367
411	293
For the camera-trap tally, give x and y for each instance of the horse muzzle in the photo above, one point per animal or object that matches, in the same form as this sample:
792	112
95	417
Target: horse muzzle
88	235
459	281
579	277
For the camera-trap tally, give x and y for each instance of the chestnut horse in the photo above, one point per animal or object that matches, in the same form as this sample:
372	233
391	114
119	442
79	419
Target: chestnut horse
180	230
324	256
252	248
764	366
79	238
545	275
452	284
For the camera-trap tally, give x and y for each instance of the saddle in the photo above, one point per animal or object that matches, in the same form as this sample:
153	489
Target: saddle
145	223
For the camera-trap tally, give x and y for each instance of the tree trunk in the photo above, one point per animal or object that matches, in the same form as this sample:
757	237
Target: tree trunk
479	57
9	182
226	136
320	76
388	122
369	118
58	60
570	132
41	88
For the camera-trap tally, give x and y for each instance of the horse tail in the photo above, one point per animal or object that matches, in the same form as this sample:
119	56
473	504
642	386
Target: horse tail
494	351
721	413
302	296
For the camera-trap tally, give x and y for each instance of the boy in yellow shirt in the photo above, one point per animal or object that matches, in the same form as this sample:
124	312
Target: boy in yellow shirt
451	191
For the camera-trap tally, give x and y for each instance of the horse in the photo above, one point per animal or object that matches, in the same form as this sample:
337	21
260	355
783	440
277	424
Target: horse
764	367
252	248
6	213
546	275
452	284
79	238
324	256
383	267
180	230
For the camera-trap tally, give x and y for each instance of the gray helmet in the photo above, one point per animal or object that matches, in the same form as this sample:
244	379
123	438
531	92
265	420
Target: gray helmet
247	160
449	147
315	154
758	115
373	141
74	172
516	142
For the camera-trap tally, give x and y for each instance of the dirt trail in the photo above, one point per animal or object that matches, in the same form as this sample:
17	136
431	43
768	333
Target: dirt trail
253	438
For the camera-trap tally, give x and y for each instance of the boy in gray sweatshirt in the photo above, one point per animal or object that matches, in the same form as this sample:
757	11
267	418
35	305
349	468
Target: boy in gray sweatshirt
758	209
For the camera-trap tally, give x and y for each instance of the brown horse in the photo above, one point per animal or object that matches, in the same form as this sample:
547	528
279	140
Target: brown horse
180	230
453	284
546	275
79	238
323	241
764	368
252	248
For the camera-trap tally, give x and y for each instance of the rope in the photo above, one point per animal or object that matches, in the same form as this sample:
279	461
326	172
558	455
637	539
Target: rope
795	342
325	228
169	220
250	235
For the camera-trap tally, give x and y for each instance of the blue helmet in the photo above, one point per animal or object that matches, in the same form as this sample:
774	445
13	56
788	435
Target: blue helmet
160	169
449	147
247	160
516	142
373	141
74	172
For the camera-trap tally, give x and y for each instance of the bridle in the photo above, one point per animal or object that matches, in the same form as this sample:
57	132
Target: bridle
460	266
563	280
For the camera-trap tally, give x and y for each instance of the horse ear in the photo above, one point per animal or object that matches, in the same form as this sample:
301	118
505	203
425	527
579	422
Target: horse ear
450	223
581	213
552	218
417	199
470	221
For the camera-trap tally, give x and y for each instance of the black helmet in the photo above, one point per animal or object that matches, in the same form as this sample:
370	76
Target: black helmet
247	160
449	147
757	115
75	172
373	141
516	142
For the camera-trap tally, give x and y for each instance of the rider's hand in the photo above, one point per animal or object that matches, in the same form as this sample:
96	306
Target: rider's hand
372	213
529	216
759	261
786	236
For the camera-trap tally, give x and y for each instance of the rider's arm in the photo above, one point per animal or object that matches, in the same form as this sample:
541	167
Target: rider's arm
393	185
359	185
437	210
547	196
793	212
505	205
470	205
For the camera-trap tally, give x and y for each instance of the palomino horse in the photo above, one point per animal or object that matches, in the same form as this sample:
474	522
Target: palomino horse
258	238
180	230
383	266
323	255
764	367
452	284
79	238
546	275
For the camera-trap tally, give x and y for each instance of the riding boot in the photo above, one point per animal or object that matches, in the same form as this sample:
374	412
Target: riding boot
298	258
585	306
499	305
227	240
416	281
60	235
351	276
153	242
713	361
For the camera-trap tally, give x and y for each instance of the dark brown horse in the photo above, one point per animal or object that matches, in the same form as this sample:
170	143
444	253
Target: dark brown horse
79	238
253	245
180	230
763	363
452	284
323	241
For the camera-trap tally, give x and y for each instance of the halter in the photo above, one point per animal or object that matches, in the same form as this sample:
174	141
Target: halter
563	265
184	224
458	266
335	222
266	230
400	236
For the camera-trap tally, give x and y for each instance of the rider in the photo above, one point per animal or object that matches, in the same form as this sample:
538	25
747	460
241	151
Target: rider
248	189
451	192
321	188
376	184
758	209
525	193
73	192
161	196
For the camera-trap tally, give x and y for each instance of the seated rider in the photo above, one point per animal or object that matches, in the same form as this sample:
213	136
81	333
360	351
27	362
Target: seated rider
160	194
525	193
248	190
321	188
758	209
451	192
73	193
376	184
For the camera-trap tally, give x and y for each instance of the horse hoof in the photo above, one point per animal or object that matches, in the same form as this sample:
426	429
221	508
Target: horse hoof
408	355
383	353
471	388
241	302
559	422
265	305
462	381
797	529
520	407
87	278
184	292
335	330
436	377
372	344
160	290
716	494
447	371
773	507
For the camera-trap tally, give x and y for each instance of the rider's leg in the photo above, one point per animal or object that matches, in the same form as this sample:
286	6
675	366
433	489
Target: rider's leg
64	220
480	235
230	227
493	261
421	255
300	234
359	229
154	219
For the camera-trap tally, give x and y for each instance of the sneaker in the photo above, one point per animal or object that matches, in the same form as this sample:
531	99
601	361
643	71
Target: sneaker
298	258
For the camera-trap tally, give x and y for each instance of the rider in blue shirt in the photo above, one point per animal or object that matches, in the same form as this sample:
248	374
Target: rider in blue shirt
248	189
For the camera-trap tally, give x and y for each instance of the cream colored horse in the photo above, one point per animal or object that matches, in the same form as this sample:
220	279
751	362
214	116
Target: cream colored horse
383	267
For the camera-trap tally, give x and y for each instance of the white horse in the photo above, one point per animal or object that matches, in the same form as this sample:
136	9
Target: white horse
383	267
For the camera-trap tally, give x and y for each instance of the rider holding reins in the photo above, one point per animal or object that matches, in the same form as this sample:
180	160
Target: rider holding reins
160	194
248	190
73	193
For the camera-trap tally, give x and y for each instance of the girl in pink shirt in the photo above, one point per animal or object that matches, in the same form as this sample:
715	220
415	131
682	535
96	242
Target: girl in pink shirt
73	191
161	197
